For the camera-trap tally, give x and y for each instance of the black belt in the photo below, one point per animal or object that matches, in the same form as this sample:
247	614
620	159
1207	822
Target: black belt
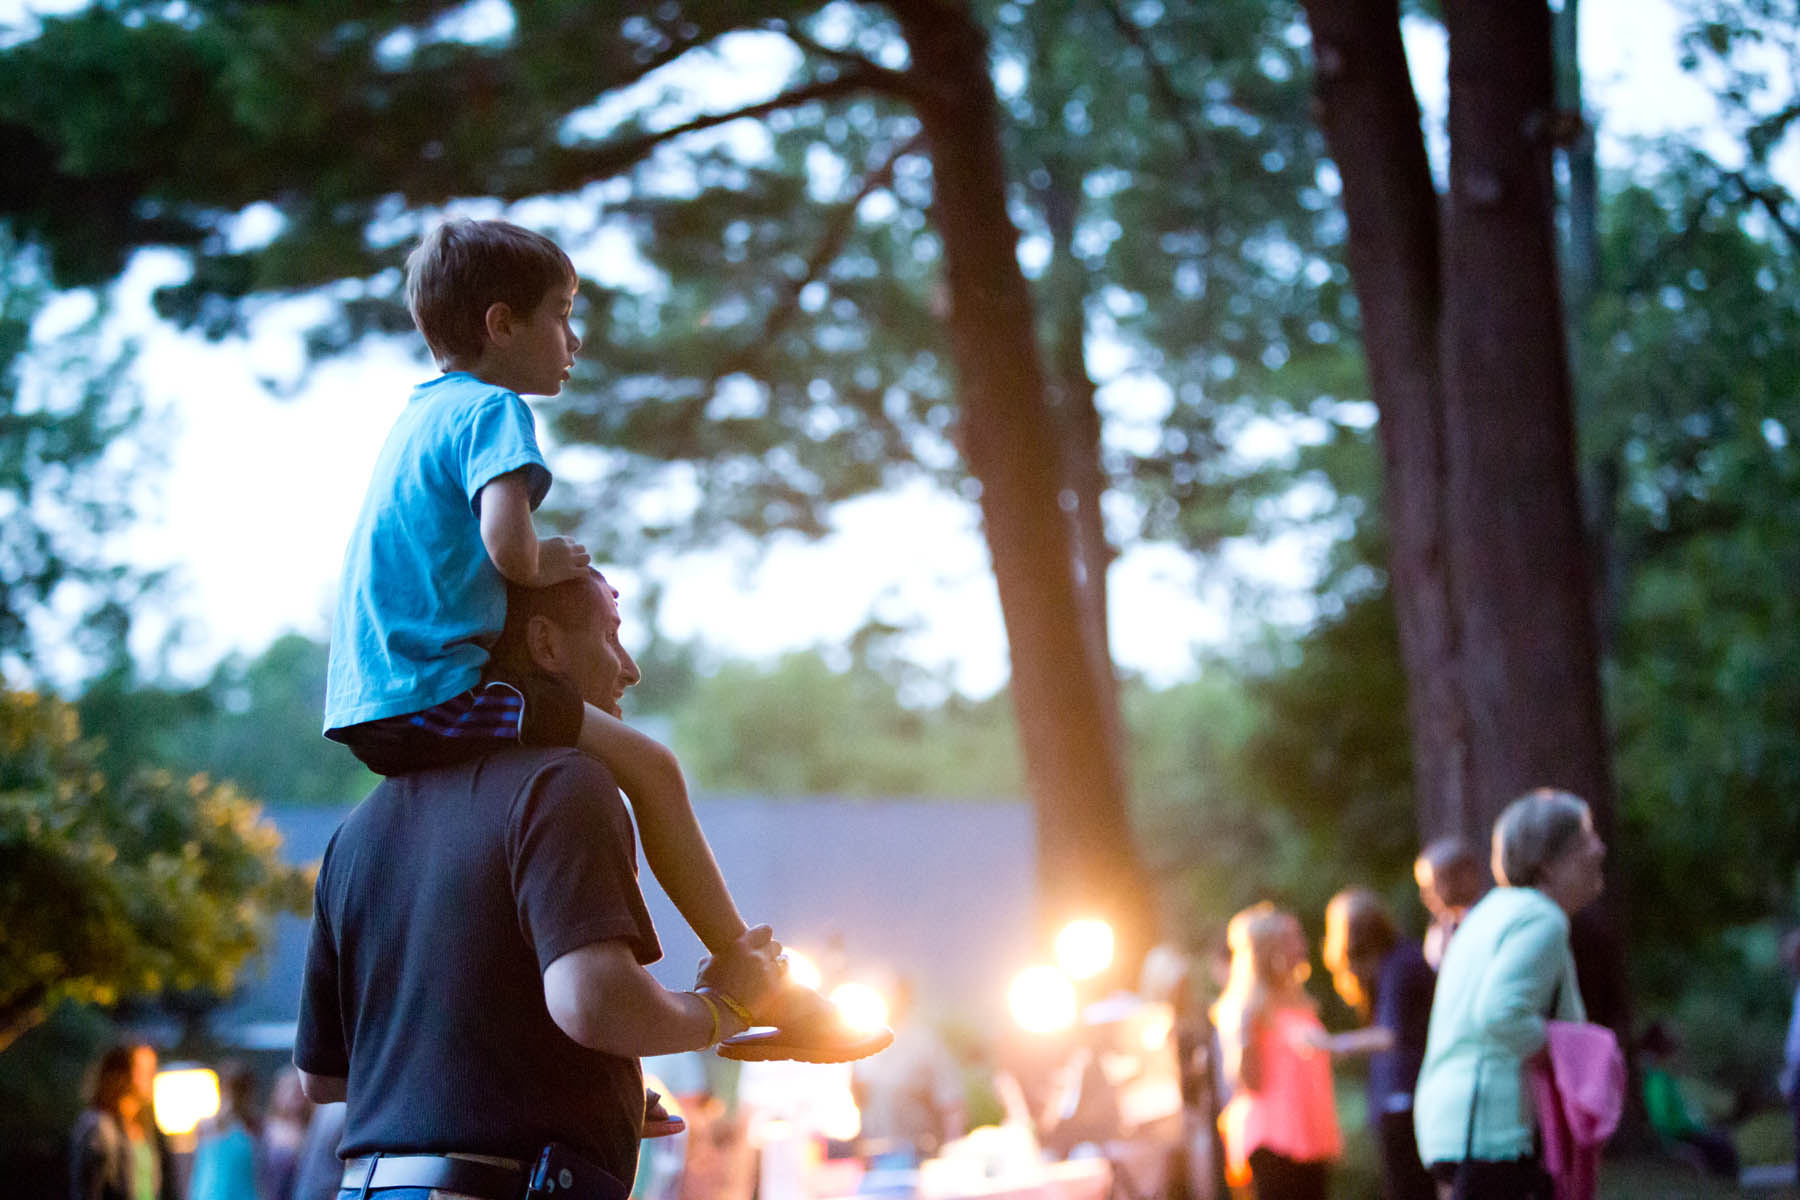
557	1173
435	1171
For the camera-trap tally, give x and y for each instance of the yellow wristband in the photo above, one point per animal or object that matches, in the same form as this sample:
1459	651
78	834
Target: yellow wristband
729	1001
712	1010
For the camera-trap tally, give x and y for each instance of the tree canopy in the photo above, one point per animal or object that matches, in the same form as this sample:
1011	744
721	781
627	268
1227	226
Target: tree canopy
781	314
117	888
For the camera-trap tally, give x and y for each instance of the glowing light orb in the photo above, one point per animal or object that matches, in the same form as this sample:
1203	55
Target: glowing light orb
862	1007
1042	1000
1156	1028
1085	948
183	1097
803	970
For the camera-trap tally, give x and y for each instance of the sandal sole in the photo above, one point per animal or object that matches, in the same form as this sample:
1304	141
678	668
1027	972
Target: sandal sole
770	1047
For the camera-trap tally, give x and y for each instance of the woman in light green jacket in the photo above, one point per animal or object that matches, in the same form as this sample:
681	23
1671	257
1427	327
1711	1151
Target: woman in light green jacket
1507	969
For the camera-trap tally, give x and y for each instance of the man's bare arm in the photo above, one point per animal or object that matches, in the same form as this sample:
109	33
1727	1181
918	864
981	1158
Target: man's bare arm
602	998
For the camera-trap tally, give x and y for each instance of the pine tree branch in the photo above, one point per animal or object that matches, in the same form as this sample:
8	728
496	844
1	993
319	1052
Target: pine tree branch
1160	81
899	82
571	168
1690	229
656	62
1771	203
831	245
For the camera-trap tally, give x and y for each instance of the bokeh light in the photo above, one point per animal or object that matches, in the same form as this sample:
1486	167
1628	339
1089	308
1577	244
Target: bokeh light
183	1097
803	970
862	1007
1085	948
1042	1000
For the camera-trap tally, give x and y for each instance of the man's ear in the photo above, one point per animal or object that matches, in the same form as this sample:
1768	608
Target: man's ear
543	642
498	320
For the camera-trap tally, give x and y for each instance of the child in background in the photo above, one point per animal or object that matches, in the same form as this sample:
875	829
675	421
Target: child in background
225	1153
1280	1126
445	526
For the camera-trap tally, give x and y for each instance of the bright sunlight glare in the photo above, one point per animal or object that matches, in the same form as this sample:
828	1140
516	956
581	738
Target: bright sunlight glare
803	970
184	1097
1085	948
862	1007
1042	1000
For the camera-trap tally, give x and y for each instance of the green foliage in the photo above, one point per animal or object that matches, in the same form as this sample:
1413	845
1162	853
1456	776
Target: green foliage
784	347
1691	404
119	888
1287	782
65	476
1199	819
797	727
254	723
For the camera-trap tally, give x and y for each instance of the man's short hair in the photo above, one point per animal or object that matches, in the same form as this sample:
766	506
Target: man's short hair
1456	874
1448	854
462	267
573	604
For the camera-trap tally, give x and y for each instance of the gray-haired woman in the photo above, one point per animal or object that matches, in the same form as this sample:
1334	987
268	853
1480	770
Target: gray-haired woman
1507	969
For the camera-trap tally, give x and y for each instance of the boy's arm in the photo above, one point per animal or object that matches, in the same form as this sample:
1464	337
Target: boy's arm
514	546
674	845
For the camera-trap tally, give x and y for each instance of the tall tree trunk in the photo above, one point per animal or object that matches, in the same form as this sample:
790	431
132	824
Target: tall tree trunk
1086	859
1469	366
1371	121
1519	576
1078	424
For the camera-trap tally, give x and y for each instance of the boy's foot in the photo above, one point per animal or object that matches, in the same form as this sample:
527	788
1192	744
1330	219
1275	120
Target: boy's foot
658	1121
803	1026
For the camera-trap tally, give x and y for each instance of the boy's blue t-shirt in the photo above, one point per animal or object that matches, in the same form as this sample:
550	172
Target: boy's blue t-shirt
420	601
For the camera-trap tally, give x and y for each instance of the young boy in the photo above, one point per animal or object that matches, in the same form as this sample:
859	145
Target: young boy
445	525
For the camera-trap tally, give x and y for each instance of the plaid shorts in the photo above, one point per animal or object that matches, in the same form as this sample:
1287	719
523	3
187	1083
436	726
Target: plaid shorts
529	710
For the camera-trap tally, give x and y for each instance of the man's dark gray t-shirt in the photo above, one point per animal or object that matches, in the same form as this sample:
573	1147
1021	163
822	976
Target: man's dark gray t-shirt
440	901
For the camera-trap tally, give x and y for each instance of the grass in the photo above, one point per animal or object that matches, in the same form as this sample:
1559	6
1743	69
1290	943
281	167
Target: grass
1663	1179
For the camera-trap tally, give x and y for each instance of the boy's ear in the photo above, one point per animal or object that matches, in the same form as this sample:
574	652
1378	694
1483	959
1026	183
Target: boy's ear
498	320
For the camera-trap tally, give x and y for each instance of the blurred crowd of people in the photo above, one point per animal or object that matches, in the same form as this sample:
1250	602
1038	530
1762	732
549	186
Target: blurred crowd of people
1453	1026
284	1150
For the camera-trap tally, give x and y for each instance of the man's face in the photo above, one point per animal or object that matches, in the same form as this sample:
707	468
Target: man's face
1428	891
596	662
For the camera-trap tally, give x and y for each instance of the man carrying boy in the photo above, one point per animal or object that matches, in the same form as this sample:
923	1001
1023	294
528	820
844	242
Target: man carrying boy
446	526
474	981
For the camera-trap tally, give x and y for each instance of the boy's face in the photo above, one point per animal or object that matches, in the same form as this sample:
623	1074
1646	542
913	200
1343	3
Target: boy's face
531	353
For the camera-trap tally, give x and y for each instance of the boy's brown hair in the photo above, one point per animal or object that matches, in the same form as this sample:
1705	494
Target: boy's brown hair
462	267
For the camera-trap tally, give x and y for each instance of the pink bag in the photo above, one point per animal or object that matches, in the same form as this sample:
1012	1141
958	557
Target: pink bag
1578	1087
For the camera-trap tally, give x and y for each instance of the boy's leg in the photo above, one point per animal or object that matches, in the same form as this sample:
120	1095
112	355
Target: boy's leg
463	727
674	845
805	1025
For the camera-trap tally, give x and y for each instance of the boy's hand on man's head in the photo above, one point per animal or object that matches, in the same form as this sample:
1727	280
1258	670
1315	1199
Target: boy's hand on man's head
559	559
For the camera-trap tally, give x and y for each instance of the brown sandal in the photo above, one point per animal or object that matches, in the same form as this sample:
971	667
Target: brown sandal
805	1027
